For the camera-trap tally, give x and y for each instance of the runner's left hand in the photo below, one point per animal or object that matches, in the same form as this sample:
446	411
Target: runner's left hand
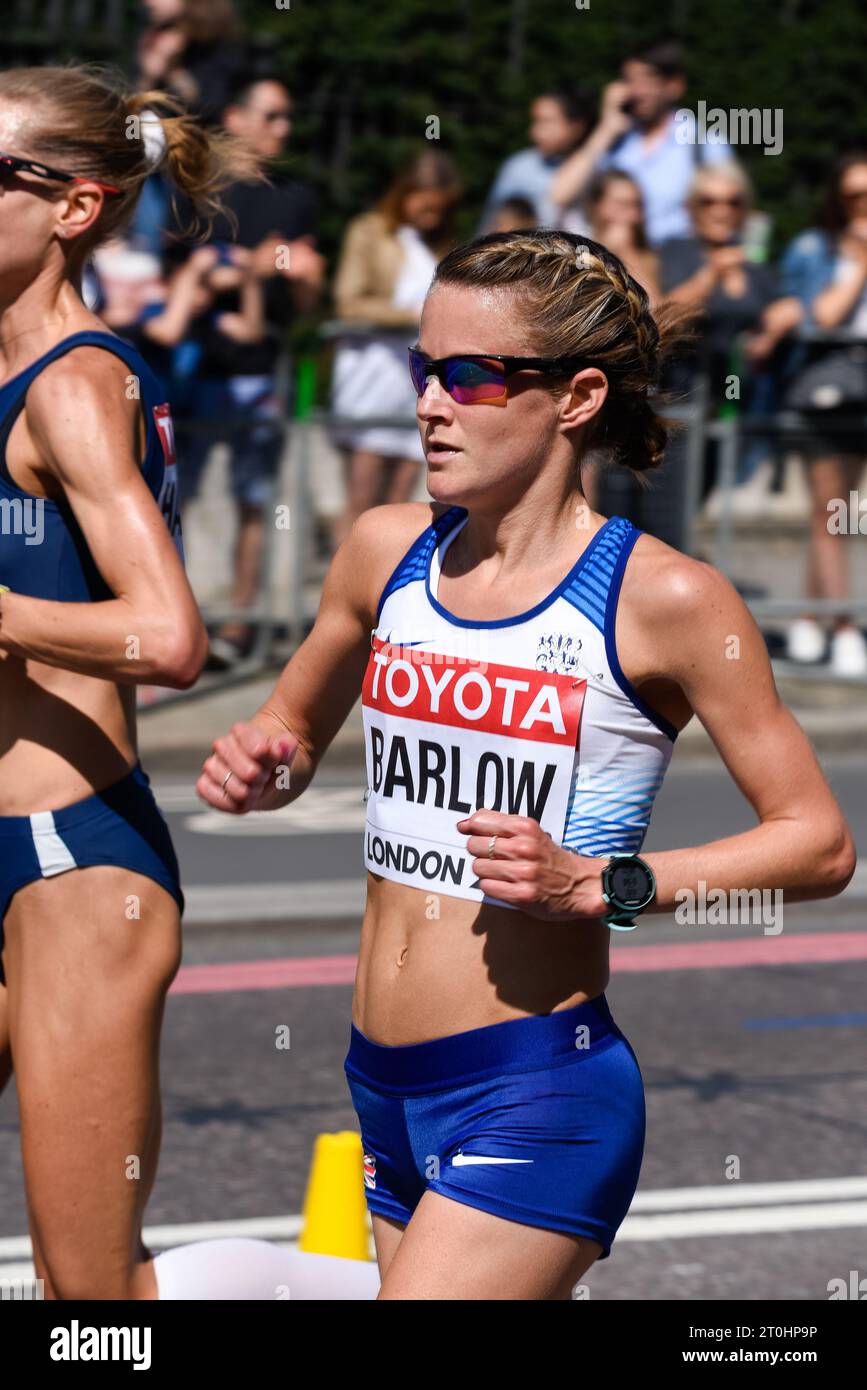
529	871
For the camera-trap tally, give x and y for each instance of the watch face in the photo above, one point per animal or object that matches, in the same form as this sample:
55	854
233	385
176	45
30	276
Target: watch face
630	883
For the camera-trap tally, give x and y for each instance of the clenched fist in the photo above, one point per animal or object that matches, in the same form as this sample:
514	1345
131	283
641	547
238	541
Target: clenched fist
529	871
241	773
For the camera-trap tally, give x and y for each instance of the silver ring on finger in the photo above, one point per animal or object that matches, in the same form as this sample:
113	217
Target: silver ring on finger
491	843
225	780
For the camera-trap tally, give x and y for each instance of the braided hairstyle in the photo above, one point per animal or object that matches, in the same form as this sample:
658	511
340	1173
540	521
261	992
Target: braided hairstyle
577	299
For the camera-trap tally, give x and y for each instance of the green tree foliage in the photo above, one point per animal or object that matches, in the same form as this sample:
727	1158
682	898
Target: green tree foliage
366	76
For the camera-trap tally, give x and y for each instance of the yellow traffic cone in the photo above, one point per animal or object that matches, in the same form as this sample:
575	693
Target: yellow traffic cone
335	1212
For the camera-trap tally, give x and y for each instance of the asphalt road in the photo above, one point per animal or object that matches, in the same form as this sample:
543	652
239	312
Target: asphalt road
756	1058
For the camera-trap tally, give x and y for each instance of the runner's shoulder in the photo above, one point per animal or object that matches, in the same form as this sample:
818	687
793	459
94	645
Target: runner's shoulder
669	591
87	378
380	538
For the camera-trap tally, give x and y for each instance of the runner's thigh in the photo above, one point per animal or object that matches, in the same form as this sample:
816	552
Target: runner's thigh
87	980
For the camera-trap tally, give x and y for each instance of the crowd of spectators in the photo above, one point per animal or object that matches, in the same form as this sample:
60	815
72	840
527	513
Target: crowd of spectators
680	213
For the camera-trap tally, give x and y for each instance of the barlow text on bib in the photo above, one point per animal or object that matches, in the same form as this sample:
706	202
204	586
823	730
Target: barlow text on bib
444	738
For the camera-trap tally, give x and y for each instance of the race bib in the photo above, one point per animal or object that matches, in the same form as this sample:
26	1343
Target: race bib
168	500
446	736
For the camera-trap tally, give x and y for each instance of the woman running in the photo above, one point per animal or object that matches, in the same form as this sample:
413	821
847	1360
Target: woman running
93	601
525	666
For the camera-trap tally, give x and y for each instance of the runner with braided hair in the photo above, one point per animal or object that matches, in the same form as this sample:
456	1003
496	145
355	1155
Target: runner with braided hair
525	666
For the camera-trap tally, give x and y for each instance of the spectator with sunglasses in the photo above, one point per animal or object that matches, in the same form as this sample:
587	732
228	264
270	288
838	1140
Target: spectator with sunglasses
733	301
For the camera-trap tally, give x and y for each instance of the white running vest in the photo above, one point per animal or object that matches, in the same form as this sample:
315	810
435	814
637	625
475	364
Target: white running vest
530	715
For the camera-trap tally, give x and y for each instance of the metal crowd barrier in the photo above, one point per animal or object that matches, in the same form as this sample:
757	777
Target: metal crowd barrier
783	428
261	615
780	427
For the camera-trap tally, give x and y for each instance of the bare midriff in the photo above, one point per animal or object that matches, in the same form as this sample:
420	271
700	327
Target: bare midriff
63	736
430	965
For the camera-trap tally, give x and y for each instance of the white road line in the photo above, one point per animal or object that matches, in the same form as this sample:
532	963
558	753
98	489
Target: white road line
335	819
321	808
338	810
785	1206
743	1194
274	902
290	900
279	1228
814	1216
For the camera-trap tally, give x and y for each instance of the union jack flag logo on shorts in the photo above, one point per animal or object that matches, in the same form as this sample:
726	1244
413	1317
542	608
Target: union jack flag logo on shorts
370	1170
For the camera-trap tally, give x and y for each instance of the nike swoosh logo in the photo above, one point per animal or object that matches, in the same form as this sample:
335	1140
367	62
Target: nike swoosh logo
396	642
460	1160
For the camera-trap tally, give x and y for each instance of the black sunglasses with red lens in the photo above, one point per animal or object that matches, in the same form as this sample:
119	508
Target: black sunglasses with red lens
472	378
11	164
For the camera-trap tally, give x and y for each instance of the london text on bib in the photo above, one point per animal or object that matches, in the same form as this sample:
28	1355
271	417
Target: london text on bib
445	736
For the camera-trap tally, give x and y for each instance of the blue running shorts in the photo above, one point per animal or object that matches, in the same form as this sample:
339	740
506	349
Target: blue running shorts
121	825
539	1120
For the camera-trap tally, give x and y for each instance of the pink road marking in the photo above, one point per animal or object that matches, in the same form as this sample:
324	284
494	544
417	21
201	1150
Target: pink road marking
301	972
753	950
295	972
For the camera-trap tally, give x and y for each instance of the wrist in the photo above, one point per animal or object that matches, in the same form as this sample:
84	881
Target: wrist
587	897
610	129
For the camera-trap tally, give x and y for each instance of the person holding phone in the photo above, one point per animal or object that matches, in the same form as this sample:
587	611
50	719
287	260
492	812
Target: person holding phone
637	133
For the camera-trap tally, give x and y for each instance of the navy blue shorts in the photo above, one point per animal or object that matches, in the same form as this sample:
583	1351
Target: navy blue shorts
121	825
539	1120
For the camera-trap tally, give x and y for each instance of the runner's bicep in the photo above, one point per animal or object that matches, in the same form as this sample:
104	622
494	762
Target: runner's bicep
87	431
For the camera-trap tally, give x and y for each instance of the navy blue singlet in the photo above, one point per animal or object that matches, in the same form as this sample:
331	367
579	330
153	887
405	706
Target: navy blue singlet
43	553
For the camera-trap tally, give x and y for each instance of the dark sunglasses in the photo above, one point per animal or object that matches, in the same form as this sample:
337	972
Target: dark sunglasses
10	165
706	201
852	195
470	378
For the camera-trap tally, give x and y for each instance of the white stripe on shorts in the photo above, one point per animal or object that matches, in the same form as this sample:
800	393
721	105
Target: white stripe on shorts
53	855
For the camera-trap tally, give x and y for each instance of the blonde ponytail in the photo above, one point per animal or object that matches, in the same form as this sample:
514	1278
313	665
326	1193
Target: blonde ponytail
84	120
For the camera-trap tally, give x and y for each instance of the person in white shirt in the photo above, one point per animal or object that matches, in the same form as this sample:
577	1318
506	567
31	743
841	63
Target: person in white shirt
638	133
